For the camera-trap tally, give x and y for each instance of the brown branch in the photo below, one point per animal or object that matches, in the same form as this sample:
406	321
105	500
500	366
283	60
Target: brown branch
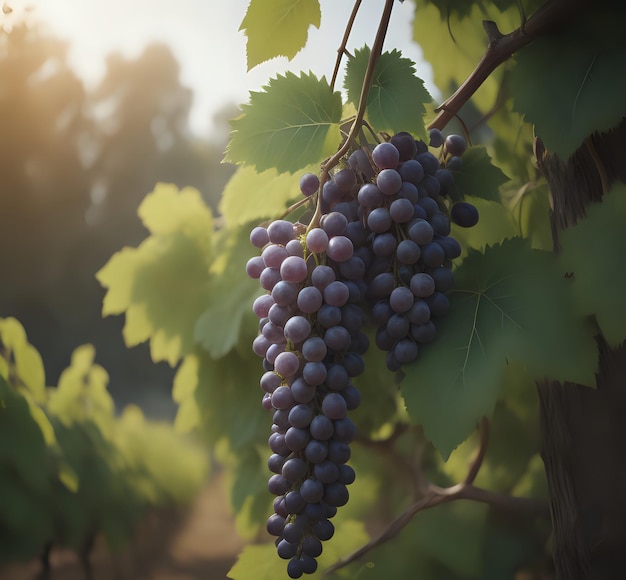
342	49
438	495
501	48
434	495
476	464
375	53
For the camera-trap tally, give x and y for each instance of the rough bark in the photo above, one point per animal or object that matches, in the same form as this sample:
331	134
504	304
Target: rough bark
584	430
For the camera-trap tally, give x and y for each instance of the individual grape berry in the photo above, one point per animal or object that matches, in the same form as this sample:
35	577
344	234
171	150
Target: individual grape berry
406	145
309	184
436	139
464	214
455	145
259	237
386	156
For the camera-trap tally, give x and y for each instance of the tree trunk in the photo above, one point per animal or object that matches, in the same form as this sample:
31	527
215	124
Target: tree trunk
584	430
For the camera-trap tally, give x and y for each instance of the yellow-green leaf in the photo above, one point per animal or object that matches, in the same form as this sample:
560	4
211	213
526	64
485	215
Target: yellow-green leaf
278	27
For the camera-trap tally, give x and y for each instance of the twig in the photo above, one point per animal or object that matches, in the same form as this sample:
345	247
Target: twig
480	455
434	495
375	53
500	48
438	495
342	49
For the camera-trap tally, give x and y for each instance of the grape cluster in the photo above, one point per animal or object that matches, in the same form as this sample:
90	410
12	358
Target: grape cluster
383	241
311	344
405	210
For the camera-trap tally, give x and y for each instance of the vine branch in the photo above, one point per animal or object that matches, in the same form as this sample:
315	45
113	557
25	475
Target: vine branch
434	495
377	48
501	47
344	43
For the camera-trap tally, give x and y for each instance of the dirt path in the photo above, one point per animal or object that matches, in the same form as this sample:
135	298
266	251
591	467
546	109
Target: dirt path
201	545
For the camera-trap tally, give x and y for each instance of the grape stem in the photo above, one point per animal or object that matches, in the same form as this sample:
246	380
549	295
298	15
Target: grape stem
501	47
355	128
344	43
432	495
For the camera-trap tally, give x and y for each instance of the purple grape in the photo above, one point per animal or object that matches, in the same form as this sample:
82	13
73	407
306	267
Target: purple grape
422	285
336	494
401	211
359	161
269	278
317	240
379	220
314	373
274	255
255	267
389	181
314	349
334	224
406	145
370	196
321	428
294	248
280	232
345	179
309	299
334	406
436	139
405	351
282	398
296	438
455	145
433	255
322	276
339	248
412	172
336	294
309	184
316	451
293	269
297	329
424	332
401	299
429	163
386	156
294	470
421	232
300	416
312	490
259	237
278	314
408	252
464	214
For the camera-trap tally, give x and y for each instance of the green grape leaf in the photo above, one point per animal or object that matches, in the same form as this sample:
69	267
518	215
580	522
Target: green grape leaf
477	176
27	455
278	28
231	292
82	394
250	196
292	123
586	95
594	251
27	364
162	286
396	98
509	304
167	210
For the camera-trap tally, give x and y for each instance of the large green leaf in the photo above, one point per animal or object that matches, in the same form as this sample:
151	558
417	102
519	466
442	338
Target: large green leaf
26	361
162	286
292	123
231	292
396	97
509	304
250	196
278	27
594	251
478	177
570	84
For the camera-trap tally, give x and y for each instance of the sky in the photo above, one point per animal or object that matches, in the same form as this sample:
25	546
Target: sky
204	36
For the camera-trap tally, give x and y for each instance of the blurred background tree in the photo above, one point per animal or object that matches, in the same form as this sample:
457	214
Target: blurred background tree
75	165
